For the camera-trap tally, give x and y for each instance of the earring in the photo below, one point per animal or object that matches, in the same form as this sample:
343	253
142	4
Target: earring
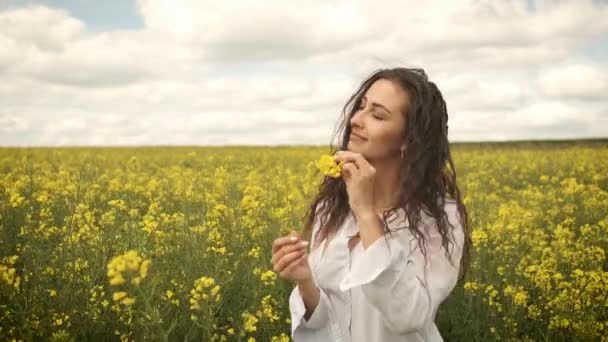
402	154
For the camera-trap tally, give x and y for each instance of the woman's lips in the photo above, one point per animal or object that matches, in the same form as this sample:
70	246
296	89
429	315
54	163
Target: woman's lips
357	136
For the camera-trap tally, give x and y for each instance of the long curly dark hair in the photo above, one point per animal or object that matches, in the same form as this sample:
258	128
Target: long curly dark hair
427	172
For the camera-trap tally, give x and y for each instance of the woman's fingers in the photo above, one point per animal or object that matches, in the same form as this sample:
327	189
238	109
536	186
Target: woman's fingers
293	264
287	259
287	252
349	169
285	249
350	157
357	159
285	240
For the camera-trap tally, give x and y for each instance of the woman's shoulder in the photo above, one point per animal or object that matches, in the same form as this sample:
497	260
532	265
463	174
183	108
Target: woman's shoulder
451	209
450	205
448	200
452	214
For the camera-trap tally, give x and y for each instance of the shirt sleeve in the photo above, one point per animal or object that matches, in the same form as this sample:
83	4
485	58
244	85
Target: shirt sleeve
319	316
394	279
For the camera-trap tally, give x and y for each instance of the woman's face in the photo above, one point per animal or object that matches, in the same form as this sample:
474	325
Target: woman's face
380	121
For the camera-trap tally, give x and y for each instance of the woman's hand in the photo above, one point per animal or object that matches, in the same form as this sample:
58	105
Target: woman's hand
290	258
359	176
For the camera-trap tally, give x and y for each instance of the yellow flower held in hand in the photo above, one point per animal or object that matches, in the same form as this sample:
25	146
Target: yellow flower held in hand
328	166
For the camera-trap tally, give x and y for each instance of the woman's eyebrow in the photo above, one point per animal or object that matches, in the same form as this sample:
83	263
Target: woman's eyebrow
376	104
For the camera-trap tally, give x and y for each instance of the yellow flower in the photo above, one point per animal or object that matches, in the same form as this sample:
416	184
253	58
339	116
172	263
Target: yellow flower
117	279
249	322
204	282
471	286
533	311
479	237
128	266
268	310
254	252
61	319
268	277
123	298
282	338
204	287
218	250
16	200
8	274
116	296
520	298
128	301
328	166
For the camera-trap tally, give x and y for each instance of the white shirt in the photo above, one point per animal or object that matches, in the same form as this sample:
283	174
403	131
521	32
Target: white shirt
379	293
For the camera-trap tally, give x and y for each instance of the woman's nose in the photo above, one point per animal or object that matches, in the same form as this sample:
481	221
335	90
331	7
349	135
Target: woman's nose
356	119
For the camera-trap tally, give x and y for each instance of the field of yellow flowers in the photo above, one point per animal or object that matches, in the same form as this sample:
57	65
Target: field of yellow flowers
175	243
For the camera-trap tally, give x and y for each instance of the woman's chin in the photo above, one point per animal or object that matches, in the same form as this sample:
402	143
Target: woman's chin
354	146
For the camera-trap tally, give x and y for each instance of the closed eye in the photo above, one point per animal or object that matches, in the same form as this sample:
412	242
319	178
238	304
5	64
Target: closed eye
375	115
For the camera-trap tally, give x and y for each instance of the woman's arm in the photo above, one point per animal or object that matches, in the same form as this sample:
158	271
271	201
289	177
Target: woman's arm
310	294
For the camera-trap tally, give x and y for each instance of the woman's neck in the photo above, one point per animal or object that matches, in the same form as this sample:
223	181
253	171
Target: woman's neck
387	183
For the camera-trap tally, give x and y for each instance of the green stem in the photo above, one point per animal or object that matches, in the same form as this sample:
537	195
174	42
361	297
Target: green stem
153	313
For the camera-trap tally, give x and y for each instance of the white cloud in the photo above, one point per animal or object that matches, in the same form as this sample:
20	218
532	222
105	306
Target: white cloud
42	28
261	31
262	73
10	124
583	81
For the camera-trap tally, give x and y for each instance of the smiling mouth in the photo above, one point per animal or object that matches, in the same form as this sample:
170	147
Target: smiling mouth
357	136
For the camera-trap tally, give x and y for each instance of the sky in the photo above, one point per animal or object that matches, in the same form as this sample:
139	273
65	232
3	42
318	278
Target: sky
192	72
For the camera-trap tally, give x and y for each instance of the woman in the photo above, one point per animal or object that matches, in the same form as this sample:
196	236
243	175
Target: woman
390	235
